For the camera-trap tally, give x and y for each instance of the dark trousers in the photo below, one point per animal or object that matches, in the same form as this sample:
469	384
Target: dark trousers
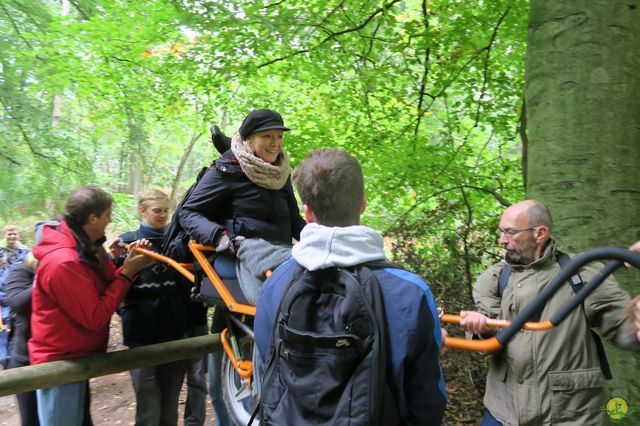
27	402
157	391
195	407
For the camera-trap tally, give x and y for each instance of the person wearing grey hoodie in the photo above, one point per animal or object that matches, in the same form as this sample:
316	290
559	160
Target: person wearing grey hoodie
330	184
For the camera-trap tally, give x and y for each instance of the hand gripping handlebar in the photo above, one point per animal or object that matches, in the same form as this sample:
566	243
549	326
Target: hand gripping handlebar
616	256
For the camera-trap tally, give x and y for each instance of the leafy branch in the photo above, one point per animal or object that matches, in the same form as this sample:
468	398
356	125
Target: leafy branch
78	7
485	79
467	229
502	200
425	73
15	26
332	36
9	159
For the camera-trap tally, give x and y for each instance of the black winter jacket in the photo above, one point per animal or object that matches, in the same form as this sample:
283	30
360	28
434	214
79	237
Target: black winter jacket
156	309
225	199
18	288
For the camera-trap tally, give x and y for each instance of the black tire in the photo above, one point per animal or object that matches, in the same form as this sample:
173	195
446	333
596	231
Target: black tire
238	398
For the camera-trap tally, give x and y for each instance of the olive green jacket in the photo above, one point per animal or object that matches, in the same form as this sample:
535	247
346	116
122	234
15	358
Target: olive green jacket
551	377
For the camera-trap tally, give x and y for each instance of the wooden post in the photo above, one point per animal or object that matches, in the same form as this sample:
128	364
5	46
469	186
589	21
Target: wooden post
23	379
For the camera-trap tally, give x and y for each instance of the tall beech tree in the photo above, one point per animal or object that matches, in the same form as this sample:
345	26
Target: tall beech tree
583	132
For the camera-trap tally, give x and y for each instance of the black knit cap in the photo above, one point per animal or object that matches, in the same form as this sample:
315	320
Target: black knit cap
259	120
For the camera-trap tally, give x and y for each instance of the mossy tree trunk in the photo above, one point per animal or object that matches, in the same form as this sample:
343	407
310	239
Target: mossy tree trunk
583	117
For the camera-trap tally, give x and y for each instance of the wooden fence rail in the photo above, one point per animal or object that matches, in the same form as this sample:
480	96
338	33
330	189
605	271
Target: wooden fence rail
22	379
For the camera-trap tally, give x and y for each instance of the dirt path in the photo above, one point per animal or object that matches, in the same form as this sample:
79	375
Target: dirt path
112	398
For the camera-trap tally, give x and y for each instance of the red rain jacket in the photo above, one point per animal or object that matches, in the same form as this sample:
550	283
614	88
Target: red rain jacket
73	300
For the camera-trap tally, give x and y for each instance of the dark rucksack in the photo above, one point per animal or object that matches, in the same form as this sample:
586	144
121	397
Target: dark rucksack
175	243
326	363
576	284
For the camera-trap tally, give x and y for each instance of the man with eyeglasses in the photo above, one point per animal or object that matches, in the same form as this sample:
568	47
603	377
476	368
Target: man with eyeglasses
556	376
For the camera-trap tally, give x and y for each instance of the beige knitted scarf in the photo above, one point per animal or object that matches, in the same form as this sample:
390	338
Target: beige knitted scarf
266	175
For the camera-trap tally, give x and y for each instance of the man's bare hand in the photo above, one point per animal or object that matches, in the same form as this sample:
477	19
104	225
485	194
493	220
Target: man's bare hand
635	248
136	261
475	322
633	311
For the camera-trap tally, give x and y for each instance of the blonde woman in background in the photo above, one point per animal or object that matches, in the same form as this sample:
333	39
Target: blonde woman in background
155	310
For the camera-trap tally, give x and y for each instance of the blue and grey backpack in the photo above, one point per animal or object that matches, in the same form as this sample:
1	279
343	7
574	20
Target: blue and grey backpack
326	363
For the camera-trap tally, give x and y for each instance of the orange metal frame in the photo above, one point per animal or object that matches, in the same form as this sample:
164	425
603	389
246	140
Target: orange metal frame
242	367
533	326
183	268
231	303
198	251
486	345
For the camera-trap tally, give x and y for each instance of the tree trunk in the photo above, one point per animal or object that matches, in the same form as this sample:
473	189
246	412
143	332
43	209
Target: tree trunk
583	117
183	162
57	98
138	141
57	111
136	173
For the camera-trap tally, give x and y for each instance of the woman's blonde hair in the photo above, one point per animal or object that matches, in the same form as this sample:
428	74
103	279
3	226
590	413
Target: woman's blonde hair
8	227
148	195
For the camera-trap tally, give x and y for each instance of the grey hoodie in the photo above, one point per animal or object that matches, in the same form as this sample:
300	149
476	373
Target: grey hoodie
322	247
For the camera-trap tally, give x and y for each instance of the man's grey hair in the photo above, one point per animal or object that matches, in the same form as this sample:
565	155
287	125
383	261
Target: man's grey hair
539	215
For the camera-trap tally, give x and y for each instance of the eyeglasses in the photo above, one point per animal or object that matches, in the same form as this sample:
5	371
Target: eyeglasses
510	233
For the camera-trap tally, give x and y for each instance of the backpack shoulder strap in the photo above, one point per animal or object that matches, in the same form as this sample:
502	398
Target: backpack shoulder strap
387	409
576	280
271	354
577	283
503	278
563	259
174	229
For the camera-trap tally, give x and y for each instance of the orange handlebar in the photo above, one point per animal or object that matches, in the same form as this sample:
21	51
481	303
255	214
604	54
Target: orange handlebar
486	345
197	249
180	267
533	326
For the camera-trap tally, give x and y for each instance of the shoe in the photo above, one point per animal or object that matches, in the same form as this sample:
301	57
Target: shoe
220	140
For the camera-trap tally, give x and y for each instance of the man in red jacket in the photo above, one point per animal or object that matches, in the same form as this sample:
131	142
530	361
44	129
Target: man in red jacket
76	291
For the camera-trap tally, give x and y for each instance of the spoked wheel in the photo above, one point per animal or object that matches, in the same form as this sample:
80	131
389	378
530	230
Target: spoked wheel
238	396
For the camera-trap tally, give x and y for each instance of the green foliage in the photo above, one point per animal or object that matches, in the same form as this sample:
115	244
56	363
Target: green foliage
429	100
124	215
